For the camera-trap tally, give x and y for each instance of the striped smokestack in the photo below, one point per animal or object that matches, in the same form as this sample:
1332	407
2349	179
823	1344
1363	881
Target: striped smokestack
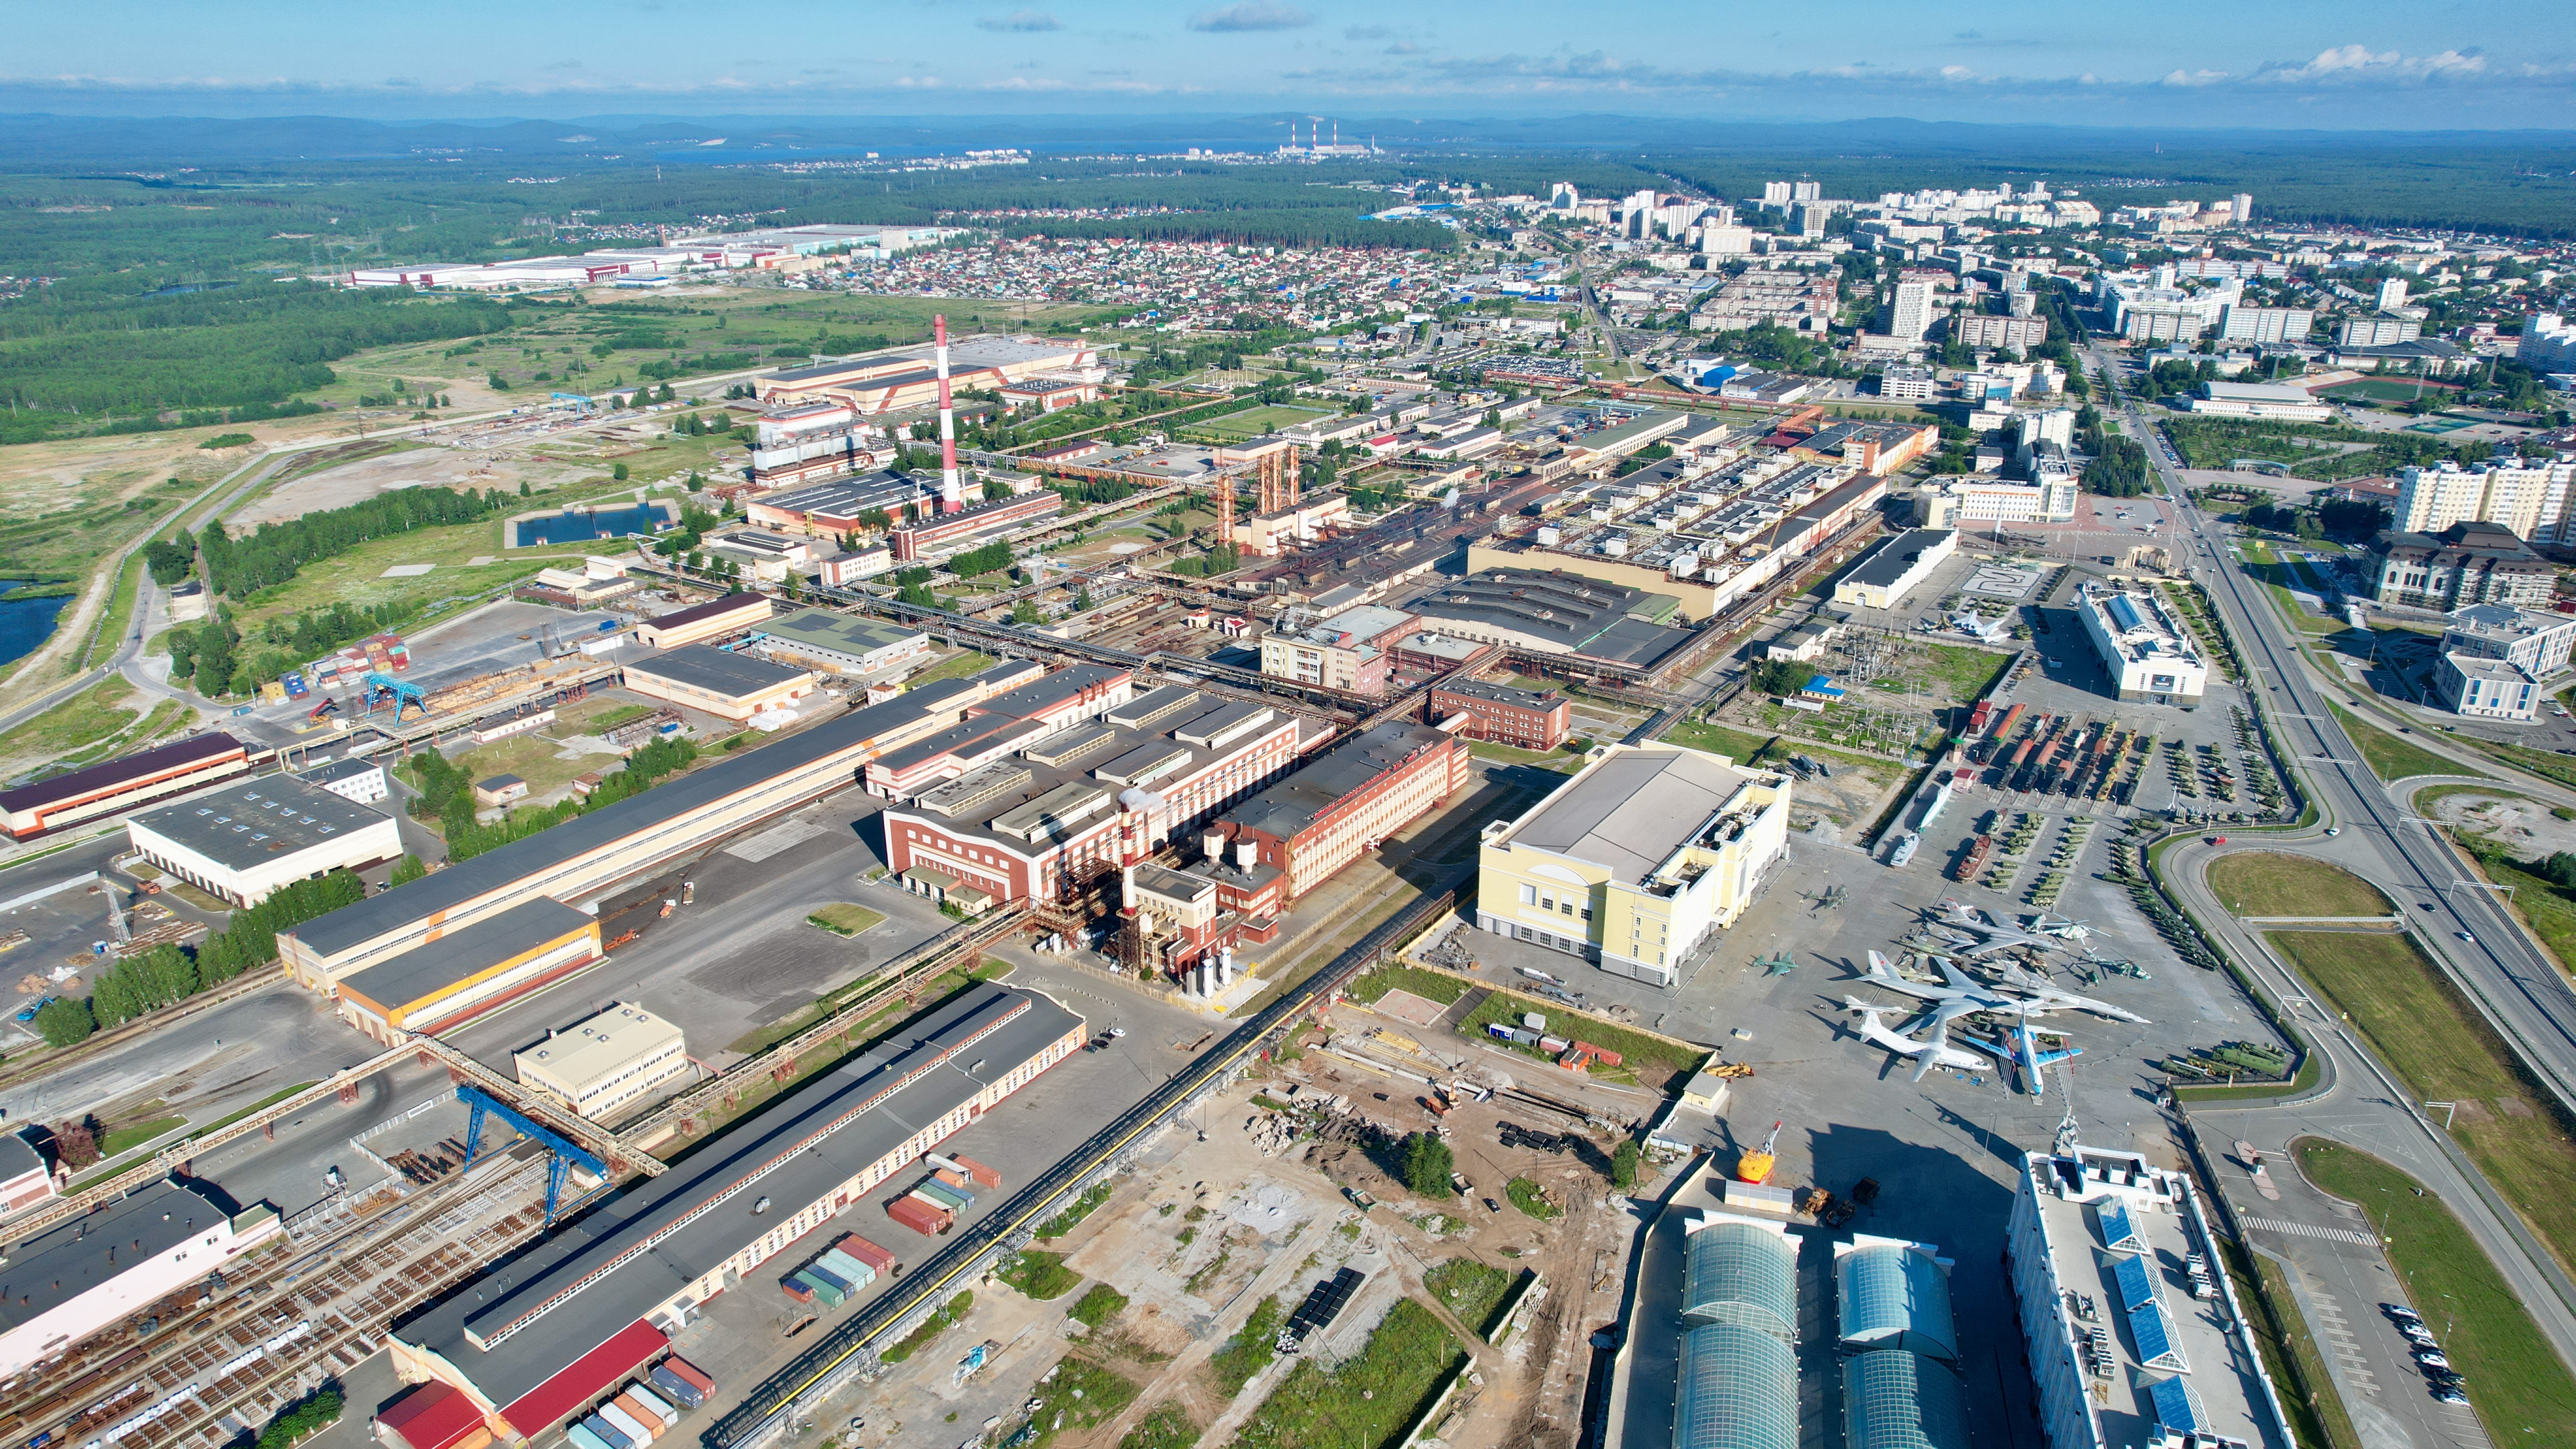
952	496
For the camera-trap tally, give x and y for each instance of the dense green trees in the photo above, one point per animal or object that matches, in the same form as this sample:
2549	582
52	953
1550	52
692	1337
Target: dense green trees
1427	1163
447	796
238	568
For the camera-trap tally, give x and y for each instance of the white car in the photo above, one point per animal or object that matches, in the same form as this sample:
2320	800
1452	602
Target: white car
2465	936
2334	830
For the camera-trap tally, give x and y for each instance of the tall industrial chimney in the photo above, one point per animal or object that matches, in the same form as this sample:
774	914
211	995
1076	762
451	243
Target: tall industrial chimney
952	496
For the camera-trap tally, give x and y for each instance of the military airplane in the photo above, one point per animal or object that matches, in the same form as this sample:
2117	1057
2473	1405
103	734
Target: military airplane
2046	996
1990	937
1778	963
1936	1052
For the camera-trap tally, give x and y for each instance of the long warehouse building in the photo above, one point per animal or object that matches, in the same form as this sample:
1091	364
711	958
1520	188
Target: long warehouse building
552	1332
583	858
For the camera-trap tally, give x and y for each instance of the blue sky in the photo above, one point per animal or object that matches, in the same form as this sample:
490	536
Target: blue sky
2260	63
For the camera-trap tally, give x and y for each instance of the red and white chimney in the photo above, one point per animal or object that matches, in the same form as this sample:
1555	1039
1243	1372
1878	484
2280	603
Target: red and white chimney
952	494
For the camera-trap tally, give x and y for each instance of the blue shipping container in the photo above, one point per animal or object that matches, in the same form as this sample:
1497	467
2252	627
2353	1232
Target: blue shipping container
607	1433
582	1438
677	1387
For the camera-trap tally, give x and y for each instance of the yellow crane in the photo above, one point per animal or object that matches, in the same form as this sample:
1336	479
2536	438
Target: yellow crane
1755	1166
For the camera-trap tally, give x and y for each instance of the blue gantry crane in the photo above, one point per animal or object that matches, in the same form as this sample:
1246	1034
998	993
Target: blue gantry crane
562	1154
404	692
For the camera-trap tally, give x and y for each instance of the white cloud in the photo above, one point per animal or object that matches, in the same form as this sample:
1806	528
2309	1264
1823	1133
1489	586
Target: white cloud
1019	21
2346	63
1253	15
2194	78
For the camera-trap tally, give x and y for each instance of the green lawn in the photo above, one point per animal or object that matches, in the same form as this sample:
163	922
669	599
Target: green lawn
1471	1290
2436	1042
1165	1426
133	1135
1370	1399
1096	1307
2547	764
263	1104
842	918
2389	757
1078	1397
950	1313
955	667
1654	1060
1249	1351
1430	985
1967	671
2548	908
1736	745
2517	1386
1524	1195
2257	884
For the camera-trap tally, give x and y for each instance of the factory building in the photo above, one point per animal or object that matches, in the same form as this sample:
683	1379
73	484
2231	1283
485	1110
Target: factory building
948	533
842	643
805	441
1270	534
1892	568
712	681
563	1324
2144	648
902	378
1349	651
590	855
362	781
1003	724
1360	792
1526	719
27	1175
1633	862
75	1279
842	506
2132	1326
699	623
243	842
462	973
1054	807
122	784
1554	613
602	1062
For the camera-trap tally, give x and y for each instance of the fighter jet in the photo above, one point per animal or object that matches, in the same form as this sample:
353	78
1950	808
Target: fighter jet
2046	996
1964	995
1993	937
1936	1052
1986	631
1778	963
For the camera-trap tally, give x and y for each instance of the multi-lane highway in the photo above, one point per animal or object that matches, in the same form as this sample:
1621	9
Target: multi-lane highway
2379	839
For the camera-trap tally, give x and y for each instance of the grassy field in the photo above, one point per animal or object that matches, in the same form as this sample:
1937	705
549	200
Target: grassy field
1966	671
842	918
1039	1274
2540	903
99	722
1524	1194
1471	1290
1658	1063
2436	1042
2547	764
533	758
956	666
1366	1402
1252	422
1737	745
1165	1426
1249	1351
2517	1386
357	577
1080	1397
1096	1307
134	1134
2264	883
2389	757
1430	985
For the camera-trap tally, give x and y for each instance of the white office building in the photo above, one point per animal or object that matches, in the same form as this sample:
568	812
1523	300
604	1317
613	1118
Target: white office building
2260	400
2149	655
2534	642
2486	688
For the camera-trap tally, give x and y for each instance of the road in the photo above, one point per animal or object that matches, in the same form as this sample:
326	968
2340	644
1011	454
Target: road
2378	839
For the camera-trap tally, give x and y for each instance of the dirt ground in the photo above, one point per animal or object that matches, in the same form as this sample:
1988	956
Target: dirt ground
2522	824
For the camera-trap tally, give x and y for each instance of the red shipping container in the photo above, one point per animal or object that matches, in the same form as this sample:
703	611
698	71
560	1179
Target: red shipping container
919	1216
984	1176
796	1290
867	1252
689	1371
1603	1055
651	1421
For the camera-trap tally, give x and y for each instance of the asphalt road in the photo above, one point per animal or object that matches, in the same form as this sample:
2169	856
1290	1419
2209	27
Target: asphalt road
2521	991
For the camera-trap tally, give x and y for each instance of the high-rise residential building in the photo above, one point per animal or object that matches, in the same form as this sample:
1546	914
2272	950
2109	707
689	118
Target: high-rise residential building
1912	314
2266	324
1775	193
1810	218
2380	330
2548	343
2392	294
2241	209
1807	191
2011	334
2527	496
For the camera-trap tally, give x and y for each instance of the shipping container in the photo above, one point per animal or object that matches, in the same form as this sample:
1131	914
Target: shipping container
925	1218
867	1252
688	1394
706	1386
944	1195
796	1288
858	1274
823	1289
820	1269
582	1438
651	1421
653	1401
626	1424
608	1433
294	685
984	1176
954	1179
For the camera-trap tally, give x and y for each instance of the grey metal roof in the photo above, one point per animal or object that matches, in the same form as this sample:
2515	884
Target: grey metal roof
433	966
413	904
1287	808
708	610
252	822
1628	813
1504	694
1887	562
54	1267
847	497
843	633
703	666
119	771
331	770
18	1156
789	1148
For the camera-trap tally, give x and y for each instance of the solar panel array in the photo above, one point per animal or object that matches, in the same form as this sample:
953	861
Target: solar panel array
1324	1303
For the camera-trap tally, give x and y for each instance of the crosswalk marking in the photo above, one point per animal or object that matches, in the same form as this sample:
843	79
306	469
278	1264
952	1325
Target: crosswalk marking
2310	1230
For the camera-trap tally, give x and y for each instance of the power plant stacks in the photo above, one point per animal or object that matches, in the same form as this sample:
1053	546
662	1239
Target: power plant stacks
952	495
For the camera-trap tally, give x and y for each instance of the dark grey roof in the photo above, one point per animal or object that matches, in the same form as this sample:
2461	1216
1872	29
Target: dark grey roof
1886	563
410	905
703	666
251	822
1040	695
330	770
1504	694
59	1265
847	497
1287	808
783	1148
18	1156
118	771
1578	615
433	966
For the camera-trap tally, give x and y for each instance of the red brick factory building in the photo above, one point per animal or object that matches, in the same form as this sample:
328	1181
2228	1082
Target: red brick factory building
1525	719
